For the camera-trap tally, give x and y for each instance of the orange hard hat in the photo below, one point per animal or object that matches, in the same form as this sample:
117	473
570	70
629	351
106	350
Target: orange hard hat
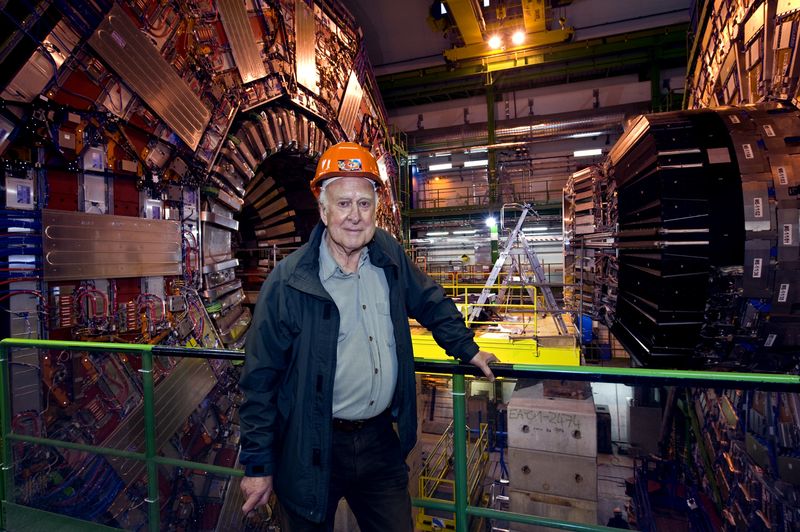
346	159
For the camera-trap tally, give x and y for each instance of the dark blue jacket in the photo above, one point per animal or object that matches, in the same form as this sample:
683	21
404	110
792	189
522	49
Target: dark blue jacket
291	362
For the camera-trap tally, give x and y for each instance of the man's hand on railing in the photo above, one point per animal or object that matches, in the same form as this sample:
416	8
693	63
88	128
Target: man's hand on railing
482	360
256	492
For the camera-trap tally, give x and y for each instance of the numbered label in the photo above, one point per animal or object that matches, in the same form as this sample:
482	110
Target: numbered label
783	293
770	340
783	179
787	234
758	207
748	151
768	130
735	119
757	268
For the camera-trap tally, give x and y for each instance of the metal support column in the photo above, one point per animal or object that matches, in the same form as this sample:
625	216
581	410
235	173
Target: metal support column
460	451
491	140
153	515
406	190
655	84
6	460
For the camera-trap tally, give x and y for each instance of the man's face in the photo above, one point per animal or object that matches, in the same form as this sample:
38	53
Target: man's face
349	213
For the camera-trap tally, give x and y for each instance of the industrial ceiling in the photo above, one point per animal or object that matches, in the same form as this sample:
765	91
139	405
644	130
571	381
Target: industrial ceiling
422	56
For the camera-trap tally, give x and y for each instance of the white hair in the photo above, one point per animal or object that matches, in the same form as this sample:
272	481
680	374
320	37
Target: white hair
323	196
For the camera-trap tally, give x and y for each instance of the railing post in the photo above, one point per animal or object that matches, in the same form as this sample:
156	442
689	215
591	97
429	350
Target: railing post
536	317
6	460
460	451
153	510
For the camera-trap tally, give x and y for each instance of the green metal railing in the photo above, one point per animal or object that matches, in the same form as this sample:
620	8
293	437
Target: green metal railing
460	508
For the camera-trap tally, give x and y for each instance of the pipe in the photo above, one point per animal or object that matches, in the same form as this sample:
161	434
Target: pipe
474	135
666	421
6	453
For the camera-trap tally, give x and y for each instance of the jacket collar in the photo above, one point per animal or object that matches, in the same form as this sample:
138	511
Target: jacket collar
306	275
378	249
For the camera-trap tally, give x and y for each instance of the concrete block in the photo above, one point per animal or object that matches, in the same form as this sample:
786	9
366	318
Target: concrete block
552	506
567	426
553	473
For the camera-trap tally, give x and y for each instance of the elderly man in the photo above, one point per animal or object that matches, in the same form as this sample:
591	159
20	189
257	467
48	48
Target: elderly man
330	366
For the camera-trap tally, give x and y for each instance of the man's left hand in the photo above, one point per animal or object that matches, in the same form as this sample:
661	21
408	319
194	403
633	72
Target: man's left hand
482	360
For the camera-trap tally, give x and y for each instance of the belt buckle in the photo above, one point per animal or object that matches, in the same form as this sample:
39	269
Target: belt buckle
348	425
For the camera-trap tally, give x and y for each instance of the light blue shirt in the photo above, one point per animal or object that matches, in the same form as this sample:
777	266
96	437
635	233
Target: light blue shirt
366	359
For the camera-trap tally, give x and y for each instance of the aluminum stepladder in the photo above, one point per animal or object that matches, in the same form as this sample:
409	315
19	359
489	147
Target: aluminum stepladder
515	236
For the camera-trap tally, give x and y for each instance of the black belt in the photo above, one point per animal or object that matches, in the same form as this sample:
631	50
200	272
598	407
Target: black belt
352	425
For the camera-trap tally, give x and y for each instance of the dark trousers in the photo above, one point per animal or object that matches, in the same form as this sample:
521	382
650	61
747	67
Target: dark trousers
369	472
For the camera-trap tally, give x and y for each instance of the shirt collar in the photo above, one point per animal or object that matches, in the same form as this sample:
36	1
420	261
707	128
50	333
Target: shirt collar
328	267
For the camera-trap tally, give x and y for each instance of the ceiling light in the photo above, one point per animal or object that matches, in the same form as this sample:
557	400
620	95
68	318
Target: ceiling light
443	166
485	3
588	153
518	37
472	164
538	228
491	222
586	135
443	10
495	42
438	233
465	232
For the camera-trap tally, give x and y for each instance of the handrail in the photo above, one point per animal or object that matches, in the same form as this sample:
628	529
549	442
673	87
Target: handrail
632	376
461	508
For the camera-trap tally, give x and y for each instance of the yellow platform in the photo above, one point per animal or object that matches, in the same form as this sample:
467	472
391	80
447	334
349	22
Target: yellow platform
552	351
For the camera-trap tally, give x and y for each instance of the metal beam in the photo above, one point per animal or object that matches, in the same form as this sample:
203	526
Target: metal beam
533	43
695	53
469	19
665	38
426	141
534	20
476	211
533	15
533	76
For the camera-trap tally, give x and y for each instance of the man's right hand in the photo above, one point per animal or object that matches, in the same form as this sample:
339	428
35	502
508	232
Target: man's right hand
256	492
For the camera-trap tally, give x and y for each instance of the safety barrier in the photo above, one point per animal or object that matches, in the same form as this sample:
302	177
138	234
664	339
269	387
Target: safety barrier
434	481
455	286
461	285
10	510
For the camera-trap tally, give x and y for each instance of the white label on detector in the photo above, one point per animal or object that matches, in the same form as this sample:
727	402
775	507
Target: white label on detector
783	293
748	151
758	207
768	130
770	340
783	179
757	268
735	119
787	234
